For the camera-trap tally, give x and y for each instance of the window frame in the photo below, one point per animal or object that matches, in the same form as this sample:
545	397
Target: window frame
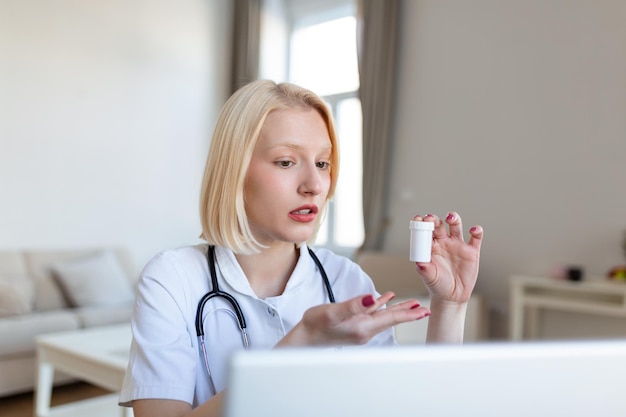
299	14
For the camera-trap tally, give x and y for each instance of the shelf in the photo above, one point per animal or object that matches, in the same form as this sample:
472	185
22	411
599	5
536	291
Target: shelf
532	294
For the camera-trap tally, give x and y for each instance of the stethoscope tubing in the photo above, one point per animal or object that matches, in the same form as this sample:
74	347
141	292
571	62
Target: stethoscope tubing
236	308
216	292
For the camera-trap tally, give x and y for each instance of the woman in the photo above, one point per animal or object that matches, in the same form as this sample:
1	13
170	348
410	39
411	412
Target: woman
271	170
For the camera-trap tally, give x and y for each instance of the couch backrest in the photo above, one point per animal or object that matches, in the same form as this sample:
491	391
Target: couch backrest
36	264
13	263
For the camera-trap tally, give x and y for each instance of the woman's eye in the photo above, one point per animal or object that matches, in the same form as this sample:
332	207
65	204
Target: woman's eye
284	164
323	165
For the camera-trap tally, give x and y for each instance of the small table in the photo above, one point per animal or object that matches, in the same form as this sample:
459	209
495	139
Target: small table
531	294
97	355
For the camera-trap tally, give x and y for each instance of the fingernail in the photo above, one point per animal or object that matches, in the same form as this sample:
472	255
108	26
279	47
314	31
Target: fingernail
415	306
425	315
368	300
450	217
473	229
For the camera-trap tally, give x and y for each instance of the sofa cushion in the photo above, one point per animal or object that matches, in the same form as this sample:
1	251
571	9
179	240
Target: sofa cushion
17	294
103	316
48	295
96	280
18	332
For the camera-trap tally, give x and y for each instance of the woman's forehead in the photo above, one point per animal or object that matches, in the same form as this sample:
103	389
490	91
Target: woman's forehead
294	128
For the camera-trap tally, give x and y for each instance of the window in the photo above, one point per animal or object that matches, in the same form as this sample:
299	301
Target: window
321	55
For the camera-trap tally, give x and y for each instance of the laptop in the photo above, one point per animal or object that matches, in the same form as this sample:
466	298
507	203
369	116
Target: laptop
566	378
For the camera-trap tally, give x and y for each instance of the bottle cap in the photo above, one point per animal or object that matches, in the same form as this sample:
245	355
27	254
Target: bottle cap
415	225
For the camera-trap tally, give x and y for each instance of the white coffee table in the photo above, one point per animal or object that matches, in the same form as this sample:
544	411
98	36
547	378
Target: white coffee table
97	355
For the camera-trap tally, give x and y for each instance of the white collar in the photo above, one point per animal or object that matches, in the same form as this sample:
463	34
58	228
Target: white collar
229	269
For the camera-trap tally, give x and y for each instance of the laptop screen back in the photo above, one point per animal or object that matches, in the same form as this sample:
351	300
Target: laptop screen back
582	378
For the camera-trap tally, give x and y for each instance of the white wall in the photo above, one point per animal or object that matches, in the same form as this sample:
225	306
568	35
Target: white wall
513	113
106	111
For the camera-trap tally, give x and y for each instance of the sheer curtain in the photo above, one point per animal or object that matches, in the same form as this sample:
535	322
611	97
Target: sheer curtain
246	46
377	34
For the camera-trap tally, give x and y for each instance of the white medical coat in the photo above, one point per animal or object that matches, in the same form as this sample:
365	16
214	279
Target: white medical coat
165	359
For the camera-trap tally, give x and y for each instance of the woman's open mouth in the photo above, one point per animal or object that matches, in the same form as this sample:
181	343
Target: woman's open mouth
304	214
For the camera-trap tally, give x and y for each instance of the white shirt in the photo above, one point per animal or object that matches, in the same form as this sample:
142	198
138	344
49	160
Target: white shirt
165	359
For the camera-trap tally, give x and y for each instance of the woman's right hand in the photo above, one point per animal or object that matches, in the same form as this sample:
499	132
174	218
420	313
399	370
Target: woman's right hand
351	322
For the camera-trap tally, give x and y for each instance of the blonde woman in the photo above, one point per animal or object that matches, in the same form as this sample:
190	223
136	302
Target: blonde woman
271	170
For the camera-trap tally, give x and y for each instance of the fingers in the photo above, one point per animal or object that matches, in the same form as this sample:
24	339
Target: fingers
455	225
440	231
453	220
476	237
407	310
369	303
401	312
426	218
360	305
404	305
354	321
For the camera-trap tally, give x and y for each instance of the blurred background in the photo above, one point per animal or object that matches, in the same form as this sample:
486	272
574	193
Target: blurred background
509	112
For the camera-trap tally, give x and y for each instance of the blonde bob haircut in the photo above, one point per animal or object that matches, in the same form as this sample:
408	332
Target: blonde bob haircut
222	209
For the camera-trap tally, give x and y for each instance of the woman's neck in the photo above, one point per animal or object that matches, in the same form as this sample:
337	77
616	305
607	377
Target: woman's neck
269	270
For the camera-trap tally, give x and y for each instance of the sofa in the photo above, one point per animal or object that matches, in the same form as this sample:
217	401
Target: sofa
393	272
43	291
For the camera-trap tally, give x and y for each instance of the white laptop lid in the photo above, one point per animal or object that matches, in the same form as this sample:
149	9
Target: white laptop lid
574	378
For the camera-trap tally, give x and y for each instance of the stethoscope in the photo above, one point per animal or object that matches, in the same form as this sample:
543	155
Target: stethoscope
236	309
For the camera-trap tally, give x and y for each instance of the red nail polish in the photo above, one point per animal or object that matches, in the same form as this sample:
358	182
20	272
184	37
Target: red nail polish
415	306
368	300
473	229
450	217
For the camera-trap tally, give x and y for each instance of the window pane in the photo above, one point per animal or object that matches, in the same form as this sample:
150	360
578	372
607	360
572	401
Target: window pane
323	57
348	207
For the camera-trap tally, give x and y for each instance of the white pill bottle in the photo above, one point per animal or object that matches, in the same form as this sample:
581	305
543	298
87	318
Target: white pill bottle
421	241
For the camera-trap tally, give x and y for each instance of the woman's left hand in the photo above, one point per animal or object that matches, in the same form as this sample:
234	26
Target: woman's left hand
452	273
354	321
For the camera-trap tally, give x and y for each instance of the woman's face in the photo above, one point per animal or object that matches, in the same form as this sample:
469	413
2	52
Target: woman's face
288	178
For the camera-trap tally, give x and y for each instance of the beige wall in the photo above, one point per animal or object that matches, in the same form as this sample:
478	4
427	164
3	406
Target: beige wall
106	109
513	113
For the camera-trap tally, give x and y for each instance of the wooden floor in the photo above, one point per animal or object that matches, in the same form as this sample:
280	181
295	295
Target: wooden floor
22	405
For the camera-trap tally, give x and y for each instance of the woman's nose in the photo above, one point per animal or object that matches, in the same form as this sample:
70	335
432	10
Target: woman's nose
311	181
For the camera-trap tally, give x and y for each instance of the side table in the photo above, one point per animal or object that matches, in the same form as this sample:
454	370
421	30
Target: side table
98	355
530	295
